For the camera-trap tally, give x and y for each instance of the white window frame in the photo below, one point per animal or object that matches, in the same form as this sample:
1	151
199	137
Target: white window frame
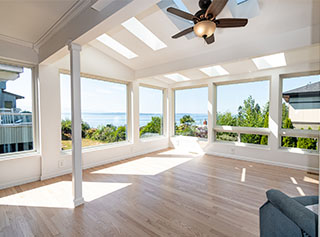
296	132
164	113
35	112
236	129
128	116
174	107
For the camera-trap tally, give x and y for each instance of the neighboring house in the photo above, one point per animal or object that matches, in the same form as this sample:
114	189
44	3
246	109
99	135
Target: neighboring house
304	105
7	99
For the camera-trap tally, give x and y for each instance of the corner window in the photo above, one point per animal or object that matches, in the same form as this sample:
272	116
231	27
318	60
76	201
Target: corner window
151	112
103	111
243	105
16	100
301	112
191	112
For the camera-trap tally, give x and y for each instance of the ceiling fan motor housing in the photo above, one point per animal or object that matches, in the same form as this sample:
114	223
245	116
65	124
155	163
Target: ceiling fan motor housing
204	4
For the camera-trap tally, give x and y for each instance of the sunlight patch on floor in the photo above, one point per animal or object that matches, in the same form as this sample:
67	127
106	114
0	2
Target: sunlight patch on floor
144	166
293	180
243	175
59	195
301	191
310	180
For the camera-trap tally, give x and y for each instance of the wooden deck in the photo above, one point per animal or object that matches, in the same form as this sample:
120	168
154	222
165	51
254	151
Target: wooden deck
168	193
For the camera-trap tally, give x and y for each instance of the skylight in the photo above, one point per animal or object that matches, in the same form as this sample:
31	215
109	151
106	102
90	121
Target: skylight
177	77
143	33
116	46
271	61
181	5
214	71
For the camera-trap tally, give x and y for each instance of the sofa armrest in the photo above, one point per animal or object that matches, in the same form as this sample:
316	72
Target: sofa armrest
307	200
295	211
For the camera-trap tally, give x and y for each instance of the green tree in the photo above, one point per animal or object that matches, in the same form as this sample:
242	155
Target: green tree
307	143
226	119
264	138
154	126
288	141
187	120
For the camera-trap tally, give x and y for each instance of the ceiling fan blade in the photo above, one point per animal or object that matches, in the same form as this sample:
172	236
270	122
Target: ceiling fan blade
231	22
210	39
182	33
182	14
215	7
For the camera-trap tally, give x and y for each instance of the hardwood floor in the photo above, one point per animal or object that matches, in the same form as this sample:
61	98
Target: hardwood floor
166	193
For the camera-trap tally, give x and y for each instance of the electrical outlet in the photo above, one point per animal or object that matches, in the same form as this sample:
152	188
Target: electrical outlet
61	163
232	150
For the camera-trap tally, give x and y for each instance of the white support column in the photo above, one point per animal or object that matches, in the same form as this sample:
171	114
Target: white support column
135	112
76	124
165	110
171	116
211	109
275	112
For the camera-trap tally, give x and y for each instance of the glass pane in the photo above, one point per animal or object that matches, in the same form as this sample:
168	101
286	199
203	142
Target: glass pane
244	104
227	136
254	139
103	111
151	103
16	130
301	103
191	112
300	142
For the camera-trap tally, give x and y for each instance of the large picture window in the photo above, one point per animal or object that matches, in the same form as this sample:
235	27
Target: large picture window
16	126
151	112
103	111
243	105
301	111
191	112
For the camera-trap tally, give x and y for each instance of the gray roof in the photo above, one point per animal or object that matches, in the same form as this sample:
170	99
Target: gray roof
15	95
313	88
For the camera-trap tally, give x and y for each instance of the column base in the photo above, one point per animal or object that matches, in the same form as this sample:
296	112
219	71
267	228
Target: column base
77	202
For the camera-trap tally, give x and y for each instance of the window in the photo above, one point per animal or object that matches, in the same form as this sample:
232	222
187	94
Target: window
151	112
191	112
16	99
243	105
301	111
103	108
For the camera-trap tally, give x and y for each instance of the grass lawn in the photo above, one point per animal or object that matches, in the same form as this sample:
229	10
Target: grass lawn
67	145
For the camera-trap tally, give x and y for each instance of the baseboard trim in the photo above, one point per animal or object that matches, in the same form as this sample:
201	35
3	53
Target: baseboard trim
103	162
267	162
20	182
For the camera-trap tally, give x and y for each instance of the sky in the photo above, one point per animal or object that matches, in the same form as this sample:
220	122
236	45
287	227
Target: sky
105	97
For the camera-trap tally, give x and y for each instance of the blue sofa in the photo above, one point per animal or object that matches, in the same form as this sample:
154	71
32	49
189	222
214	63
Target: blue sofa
284	216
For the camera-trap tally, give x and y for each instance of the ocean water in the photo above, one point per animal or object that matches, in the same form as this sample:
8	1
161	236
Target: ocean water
119	119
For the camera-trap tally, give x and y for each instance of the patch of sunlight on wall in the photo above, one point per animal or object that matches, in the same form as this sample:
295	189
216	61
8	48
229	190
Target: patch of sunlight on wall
243	175
310	180
59	195
144	166
301	191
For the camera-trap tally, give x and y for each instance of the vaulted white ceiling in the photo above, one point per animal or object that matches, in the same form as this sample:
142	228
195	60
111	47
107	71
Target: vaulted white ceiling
281	25
28	21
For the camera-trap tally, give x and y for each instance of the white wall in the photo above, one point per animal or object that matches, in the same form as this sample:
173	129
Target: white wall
18	169
271	154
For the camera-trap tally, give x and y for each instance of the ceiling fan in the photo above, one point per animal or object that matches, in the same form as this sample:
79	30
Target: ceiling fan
205	21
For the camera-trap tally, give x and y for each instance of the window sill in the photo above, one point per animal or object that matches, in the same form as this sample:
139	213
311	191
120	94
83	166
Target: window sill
299	151
18	155
155	138
98	147
242	144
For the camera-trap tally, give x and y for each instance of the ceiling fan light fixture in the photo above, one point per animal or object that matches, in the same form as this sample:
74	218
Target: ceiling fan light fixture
204	28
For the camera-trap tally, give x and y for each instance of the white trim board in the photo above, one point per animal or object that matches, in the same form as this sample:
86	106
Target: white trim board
267	162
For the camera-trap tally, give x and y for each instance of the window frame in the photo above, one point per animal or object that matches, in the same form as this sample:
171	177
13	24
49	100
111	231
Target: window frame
175	109
303	133
34	110
236	129
106	79
163	90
